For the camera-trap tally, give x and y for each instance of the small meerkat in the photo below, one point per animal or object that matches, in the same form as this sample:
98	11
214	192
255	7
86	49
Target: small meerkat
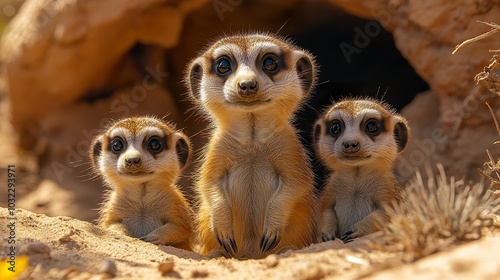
140	160
255	183
358	140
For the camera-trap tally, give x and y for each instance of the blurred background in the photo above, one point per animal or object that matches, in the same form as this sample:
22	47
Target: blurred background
69	66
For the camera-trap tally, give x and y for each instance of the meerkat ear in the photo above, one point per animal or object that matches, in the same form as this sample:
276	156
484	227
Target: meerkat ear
96	150
401	133
182	149
318	129
306	70
194	76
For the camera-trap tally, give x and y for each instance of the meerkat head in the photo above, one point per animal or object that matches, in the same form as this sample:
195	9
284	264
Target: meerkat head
251	72
358	132
138	150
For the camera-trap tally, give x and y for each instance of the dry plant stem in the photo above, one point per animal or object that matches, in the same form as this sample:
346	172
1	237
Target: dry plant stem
493	167
496	28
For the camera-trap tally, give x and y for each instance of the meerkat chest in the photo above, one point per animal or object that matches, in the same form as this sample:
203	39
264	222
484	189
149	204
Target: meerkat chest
353	202
143	210
252	172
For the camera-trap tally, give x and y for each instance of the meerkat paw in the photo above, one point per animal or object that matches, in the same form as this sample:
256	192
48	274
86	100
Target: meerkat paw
270	239
216	253
227	242
349	236
152	238
118	227
352	233
327	236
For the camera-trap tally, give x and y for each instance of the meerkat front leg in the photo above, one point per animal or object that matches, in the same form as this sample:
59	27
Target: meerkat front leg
168	234
112	221
328	224
222	218
328	220
367	225
118	227
273	222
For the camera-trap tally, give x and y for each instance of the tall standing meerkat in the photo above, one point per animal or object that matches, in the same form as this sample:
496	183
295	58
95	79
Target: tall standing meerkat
255	183
359	140
140	160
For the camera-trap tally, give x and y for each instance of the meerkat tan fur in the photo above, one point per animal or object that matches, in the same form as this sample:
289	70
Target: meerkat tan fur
359	140
255	183
140	160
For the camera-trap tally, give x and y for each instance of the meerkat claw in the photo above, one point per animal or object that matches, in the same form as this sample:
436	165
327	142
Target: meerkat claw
229	244
233	245
267	244
348	236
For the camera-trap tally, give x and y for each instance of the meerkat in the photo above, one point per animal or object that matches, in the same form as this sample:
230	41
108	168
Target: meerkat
358	140
140	160
255	183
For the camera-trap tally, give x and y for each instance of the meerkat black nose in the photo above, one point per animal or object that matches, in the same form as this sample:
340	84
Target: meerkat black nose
133	162
248	87
351	146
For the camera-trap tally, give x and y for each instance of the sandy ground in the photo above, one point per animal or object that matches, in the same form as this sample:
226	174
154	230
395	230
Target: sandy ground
66	248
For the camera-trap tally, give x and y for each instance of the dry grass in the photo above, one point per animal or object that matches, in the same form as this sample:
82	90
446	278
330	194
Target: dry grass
437	214
492	173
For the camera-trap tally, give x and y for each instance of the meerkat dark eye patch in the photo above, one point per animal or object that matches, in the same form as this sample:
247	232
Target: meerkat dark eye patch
304	68
335	128
270	64
373	127
182	150
195	75
117	145
156	144
400	135
223	66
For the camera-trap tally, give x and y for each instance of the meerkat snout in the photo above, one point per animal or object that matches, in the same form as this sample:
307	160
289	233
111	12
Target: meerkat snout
350	146
133	162
248	87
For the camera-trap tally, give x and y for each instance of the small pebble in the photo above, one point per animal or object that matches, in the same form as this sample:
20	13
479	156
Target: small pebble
271	261
166	267
67	237
108	267
312	273
199	274
34	248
